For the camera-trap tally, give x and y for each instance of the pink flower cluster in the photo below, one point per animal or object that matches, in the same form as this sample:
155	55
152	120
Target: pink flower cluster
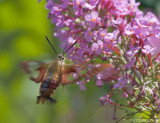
114	31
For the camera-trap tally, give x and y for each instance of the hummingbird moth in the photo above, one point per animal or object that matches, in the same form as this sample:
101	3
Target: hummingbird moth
52	74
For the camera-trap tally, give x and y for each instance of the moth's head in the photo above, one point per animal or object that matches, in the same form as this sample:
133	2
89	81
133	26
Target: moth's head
61	57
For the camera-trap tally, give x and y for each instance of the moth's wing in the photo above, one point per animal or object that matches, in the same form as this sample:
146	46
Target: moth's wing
67	70
30	67
93	70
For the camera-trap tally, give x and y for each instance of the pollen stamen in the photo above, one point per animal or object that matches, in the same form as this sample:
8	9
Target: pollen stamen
121	84
102	34
93	19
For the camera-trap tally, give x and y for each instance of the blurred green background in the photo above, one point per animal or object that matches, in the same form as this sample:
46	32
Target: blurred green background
23	26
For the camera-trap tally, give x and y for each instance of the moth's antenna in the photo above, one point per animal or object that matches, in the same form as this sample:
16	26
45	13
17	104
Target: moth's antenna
64	49
51	45
71	46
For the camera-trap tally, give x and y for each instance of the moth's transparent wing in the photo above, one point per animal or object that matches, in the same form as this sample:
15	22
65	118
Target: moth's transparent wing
91	71
67	71
32	67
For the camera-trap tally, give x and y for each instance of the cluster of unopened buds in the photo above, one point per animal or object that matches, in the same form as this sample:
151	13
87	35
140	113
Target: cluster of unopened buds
118	33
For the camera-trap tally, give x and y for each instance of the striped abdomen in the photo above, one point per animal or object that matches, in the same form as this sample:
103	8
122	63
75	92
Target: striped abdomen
46	89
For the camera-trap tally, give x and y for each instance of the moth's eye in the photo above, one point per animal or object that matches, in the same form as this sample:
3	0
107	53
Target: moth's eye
59	57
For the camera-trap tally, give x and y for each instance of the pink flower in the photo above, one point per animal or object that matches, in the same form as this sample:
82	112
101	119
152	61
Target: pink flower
92	19
155	40
121	83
